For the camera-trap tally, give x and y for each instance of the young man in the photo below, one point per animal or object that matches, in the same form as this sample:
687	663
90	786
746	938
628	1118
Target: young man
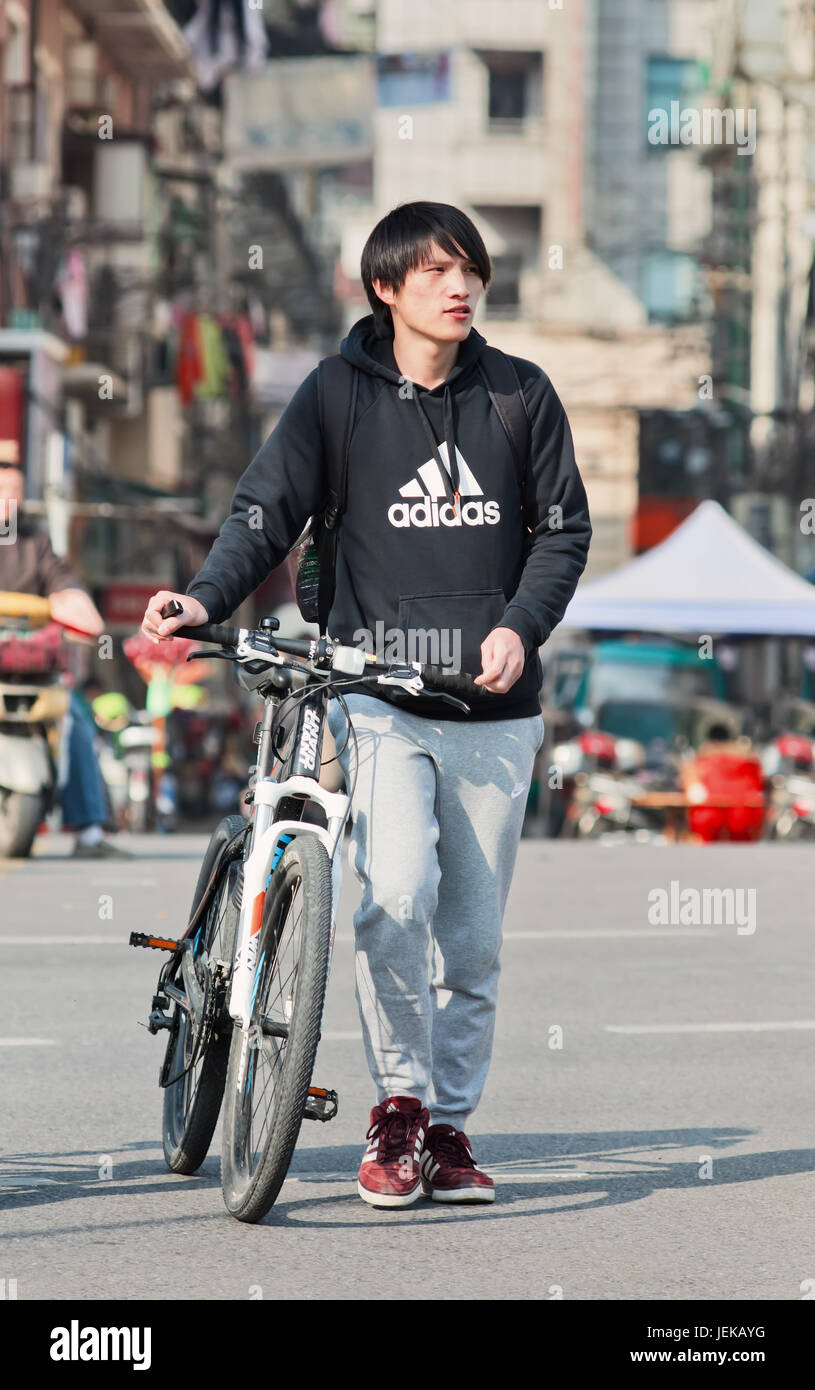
432	541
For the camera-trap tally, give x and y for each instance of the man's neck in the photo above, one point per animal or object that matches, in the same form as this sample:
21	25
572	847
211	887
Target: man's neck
421	359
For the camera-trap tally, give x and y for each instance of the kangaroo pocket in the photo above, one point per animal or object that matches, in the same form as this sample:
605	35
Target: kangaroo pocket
448	629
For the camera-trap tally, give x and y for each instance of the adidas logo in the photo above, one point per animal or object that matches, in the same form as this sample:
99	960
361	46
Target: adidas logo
428	488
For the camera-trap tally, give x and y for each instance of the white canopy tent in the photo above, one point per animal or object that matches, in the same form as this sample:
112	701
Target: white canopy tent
708	576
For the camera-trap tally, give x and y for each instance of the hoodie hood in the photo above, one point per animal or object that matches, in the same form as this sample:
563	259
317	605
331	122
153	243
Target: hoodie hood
375	356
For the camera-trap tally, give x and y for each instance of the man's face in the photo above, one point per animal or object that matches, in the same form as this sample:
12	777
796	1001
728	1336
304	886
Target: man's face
434	296
11	487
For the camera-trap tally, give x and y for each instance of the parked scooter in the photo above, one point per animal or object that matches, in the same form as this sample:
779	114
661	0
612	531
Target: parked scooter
32	702
600	786
789	765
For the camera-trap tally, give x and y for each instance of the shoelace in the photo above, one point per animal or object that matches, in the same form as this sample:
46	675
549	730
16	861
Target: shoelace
393	1130
452	1148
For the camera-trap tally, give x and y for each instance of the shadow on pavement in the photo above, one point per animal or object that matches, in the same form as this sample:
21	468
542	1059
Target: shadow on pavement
529	1168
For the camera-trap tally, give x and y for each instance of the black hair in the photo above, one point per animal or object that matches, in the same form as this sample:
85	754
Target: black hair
401	241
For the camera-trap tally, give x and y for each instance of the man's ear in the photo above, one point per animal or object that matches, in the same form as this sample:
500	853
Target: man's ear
384	291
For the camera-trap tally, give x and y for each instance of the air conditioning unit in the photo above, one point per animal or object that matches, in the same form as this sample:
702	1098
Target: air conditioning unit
30	179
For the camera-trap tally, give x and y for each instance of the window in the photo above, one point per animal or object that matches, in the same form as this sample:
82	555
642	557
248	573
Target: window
514	88
504	294
413	79
671	80
670	286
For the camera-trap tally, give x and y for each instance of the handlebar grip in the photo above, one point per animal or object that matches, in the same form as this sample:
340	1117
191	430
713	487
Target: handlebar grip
210	632
459	683
220	633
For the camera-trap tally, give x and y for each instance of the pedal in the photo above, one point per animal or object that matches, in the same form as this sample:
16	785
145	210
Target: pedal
158	1019
154	943
320	1104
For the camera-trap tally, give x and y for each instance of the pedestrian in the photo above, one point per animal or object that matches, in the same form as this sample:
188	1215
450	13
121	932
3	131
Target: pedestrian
436	539
28	565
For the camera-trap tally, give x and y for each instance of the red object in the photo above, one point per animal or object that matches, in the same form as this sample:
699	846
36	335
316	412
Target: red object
596	744
189	367
796	747
33	653
448	1169
656	518
736	781
802	808
389	1175
126	603
604	806
11	416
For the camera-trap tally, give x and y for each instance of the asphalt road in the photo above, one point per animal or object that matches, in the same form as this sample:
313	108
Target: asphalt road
648	1116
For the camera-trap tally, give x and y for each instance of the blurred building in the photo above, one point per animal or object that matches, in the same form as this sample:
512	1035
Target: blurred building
533	118
159	294
761	267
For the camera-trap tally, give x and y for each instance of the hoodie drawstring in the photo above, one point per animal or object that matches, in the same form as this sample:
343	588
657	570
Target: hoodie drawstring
452	482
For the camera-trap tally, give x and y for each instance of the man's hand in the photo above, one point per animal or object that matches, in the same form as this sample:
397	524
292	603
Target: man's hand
160	629
502	660
76	609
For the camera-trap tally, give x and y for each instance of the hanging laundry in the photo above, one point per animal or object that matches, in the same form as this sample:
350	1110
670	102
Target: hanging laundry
189	366
72	286
240	345
214	360
225	34
257	318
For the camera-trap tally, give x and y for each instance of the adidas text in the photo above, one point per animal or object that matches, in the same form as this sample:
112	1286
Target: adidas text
428	512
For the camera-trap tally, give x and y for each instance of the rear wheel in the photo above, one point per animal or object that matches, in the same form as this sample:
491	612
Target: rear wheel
271	1061
192	1102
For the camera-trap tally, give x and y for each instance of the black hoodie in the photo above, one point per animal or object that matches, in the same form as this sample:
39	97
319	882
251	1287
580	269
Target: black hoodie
412	560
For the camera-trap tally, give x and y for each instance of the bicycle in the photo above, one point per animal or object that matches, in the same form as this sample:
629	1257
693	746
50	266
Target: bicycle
247	981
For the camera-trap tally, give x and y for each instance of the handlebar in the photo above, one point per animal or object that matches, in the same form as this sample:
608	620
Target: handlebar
460	684
208	632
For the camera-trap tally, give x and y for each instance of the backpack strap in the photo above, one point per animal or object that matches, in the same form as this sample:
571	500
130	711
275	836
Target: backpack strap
337	387
505	392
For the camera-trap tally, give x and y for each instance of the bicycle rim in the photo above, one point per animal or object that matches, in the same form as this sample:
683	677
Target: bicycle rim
192	1103
271	1062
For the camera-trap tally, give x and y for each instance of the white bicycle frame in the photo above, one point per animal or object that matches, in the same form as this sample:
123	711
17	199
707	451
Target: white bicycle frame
266	834
258	867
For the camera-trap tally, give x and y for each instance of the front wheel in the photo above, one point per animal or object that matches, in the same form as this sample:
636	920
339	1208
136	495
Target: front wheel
271	1061
20	816
193	1101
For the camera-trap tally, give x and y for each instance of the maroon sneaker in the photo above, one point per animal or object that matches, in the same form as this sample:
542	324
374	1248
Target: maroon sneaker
448	1169
389	1173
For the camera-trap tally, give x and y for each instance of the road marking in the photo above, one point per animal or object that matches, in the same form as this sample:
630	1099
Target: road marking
709	1027
23	1181
587	934
495	1172
63	941
596	933
28	1042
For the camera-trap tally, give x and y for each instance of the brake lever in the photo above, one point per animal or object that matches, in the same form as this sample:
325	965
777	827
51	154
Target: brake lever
451	699
206	653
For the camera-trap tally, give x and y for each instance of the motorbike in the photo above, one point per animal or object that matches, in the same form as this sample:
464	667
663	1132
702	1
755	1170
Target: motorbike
32	703
789	765
601	782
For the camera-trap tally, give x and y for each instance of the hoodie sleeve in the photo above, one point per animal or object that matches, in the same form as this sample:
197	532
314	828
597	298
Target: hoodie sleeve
278	492
562	530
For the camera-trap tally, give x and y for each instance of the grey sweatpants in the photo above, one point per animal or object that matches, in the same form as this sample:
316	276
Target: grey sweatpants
437	815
